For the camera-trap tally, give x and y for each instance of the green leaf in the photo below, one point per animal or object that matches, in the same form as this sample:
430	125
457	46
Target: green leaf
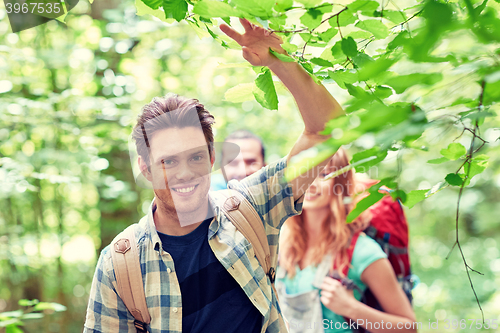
211	8
398	195
26	302
265	92
377	28
324	8
229	42
142	9
349	47
477	166
154	4
202	33
359	34
12	314
334	54
491	93
436	188
357	92
241	93
492	77
373	69
259	69
13	329
438	15
10	323
438	160
307	66
402	82
283	5
277	22
454	151
306	37
414	197
345	18
343	76
328	34
361	59
214	36
349	167
394	16
363	205
321	62
176	9
305	160
364	5
454	179
34	315
475	115
282	57
382	92
49	306
401	39
376	154
259	8
289	47
309	3
311	18
480	8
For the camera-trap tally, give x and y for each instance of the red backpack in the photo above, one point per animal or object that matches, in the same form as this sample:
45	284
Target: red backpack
389	228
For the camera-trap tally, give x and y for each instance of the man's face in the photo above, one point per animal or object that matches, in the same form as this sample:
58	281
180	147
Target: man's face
247	162
180	169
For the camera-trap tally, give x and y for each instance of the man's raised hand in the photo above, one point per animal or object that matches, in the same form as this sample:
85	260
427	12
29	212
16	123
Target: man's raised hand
255	43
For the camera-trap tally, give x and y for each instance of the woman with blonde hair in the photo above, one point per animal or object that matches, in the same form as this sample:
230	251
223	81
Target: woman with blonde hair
318	240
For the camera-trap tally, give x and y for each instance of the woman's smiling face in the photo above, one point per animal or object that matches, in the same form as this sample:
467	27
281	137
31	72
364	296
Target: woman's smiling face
319	194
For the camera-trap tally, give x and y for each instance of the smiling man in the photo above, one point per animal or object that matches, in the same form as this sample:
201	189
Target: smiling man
251	158
199	273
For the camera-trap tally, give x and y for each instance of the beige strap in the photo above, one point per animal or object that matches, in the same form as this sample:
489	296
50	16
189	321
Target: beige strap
128	275
244	217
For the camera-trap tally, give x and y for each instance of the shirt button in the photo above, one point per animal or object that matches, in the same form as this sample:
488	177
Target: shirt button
175	310
169	270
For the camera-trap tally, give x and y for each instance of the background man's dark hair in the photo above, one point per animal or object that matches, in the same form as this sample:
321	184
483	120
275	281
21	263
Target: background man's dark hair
157	115
245	134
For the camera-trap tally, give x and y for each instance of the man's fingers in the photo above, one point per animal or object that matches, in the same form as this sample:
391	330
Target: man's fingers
246	24
231	32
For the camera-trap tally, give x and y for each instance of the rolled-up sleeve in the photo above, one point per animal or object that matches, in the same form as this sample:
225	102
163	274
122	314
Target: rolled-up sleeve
270	193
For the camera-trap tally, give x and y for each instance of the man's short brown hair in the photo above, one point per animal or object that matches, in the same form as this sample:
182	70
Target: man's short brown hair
157	115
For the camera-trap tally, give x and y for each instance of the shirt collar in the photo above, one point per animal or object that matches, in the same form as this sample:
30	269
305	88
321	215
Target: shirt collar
151	228
155	239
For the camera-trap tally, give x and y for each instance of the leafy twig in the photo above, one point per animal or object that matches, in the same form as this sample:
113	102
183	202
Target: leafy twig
468	161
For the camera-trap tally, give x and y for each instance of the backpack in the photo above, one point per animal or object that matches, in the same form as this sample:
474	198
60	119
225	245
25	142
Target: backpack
389	228
126	258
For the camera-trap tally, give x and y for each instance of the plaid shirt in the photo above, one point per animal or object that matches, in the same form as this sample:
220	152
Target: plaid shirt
272	198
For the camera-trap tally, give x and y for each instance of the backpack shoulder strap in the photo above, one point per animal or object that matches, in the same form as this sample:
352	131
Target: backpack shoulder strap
129	277
246	219
350	252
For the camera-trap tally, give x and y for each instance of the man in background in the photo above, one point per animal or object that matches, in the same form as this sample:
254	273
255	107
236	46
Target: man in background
250	159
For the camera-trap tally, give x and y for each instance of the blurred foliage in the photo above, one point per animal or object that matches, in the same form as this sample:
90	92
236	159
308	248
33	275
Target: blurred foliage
70	92
35	310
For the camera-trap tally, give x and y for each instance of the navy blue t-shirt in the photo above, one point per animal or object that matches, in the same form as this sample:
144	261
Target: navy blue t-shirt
212	301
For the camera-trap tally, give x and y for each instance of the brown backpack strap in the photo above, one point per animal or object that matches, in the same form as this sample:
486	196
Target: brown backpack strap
129	277
246	219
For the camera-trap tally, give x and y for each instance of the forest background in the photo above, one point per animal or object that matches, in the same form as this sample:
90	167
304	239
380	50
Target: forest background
70	93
